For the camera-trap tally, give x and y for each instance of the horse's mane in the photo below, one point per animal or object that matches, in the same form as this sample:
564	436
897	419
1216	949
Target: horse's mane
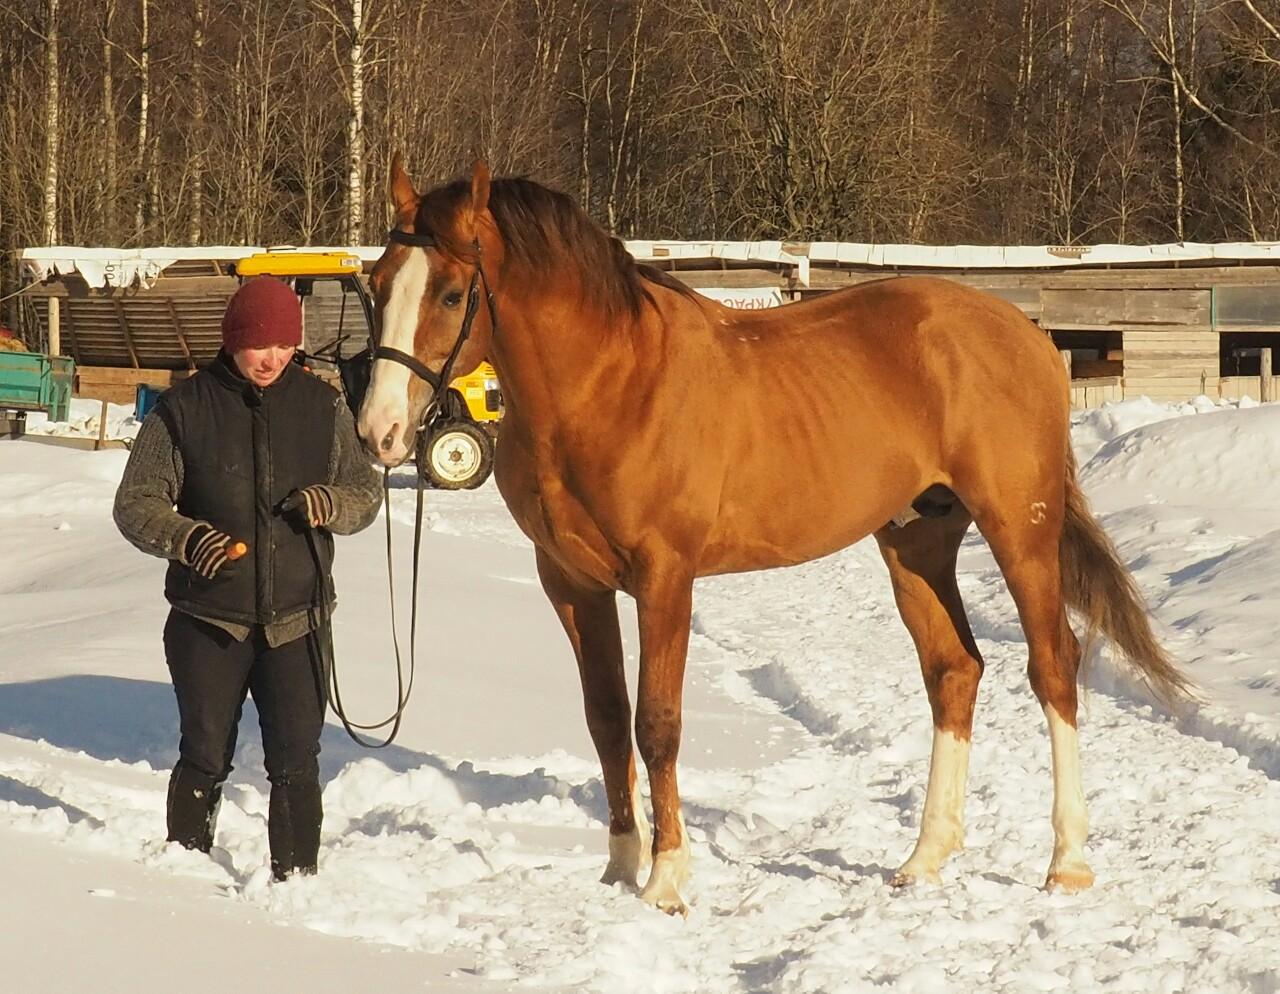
544	231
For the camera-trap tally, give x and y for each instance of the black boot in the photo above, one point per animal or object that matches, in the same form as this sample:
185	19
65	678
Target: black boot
293	828
192	808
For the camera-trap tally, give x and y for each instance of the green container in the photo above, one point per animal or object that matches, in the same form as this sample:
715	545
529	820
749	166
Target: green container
30	381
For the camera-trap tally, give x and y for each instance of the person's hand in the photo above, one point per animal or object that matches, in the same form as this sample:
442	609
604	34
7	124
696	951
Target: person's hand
208	550
310	507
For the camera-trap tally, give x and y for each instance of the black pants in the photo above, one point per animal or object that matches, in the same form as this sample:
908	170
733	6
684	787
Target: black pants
212	674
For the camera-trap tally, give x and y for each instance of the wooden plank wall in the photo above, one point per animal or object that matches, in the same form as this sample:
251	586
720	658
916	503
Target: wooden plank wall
1171	364
120	385
1235	387
1105	310
1096	391
166	328
1170	346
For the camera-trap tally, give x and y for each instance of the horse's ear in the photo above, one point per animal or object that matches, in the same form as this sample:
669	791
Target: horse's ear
400	189
479	187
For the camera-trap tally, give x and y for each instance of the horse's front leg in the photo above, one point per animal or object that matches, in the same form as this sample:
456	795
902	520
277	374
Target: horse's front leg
664	604
590	619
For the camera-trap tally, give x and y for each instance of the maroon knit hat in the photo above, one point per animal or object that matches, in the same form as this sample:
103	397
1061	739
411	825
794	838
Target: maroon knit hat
263	312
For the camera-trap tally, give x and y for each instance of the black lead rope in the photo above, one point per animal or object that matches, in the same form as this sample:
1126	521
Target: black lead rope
332	692
324	633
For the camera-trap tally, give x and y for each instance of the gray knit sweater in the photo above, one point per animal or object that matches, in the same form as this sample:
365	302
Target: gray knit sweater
145	505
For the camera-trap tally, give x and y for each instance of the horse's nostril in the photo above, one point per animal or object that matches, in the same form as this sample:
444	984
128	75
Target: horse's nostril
389	439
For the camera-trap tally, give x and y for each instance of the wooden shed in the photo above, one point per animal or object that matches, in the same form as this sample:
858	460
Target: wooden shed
149	316
1168	322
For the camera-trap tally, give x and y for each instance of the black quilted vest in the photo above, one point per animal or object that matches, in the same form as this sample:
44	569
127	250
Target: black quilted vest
243	450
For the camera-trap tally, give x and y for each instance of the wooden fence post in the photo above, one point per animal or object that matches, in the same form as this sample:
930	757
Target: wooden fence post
1264	389
55	326
1066	361
102	428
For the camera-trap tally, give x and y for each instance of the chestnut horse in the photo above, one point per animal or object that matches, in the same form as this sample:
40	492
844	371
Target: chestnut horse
653	436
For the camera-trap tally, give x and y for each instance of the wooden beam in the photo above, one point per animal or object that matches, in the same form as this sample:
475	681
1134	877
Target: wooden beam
182	338
716	279
177	286
124	375
124	330
1191	278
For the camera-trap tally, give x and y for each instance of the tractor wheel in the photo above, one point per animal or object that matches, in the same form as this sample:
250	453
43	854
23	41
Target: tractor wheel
459	456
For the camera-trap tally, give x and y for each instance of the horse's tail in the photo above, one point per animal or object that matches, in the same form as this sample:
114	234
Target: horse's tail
1096	584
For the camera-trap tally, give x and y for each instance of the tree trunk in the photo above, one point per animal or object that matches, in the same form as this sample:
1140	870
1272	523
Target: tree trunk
144	112
623	141
355	127
110	128
195	232
49	214
1026	53
1179	167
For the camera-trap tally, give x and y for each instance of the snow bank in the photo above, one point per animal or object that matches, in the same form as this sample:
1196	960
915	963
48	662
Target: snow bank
84	418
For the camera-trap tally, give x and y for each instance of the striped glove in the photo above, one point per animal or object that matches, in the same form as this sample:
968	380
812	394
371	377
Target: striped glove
311	506
208	550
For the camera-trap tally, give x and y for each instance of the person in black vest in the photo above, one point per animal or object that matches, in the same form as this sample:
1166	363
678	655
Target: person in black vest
252	451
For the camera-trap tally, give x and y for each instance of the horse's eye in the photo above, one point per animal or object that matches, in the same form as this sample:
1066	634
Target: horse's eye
453	298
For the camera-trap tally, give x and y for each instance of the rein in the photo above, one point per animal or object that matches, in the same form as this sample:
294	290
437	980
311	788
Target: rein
358	384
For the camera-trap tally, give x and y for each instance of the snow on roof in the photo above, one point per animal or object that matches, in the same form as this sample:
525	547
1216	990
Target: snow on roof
110	267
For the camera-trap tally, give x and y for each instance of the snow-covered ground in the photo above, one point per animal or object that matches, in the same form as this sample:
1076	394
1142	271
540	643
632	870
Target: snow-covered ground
84	420
464	858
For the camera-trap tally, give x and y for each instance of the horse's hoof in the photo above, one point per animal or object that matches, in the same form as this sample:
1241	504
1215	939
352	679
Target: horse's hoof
671	904
676	908
1069	879
670	872
628	857
909	878
629	877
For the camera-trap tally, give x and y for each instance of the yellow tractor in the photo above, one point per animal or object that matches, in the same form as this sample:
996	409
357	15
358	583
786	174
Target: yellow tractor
336	304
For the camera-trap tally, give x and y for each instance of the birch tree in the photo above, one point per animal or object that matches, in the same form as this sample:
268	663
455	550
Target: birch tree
109	124
143	63
355	124
197	142
49	213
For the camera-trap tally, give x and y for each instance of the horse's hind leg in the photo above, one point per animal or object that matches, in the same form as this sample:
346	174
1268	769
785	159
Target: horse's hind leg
1024	535
590	618
921	557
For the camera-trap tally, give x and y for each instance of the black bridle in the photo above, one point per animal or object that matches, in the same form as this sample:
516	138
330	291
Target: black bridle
440	381
355	374
357	370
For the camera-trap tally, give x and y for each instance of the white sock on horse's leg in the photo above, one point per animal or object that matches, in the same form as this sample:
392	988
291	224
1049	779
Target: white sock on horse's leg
670	872
1069	869
942	824
629	852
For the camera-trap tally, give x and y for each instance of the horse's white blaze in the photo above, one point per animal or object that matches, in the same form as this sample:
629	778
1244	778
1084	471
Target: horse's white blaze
629	852
1069	868
670	872
387	402
942	824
